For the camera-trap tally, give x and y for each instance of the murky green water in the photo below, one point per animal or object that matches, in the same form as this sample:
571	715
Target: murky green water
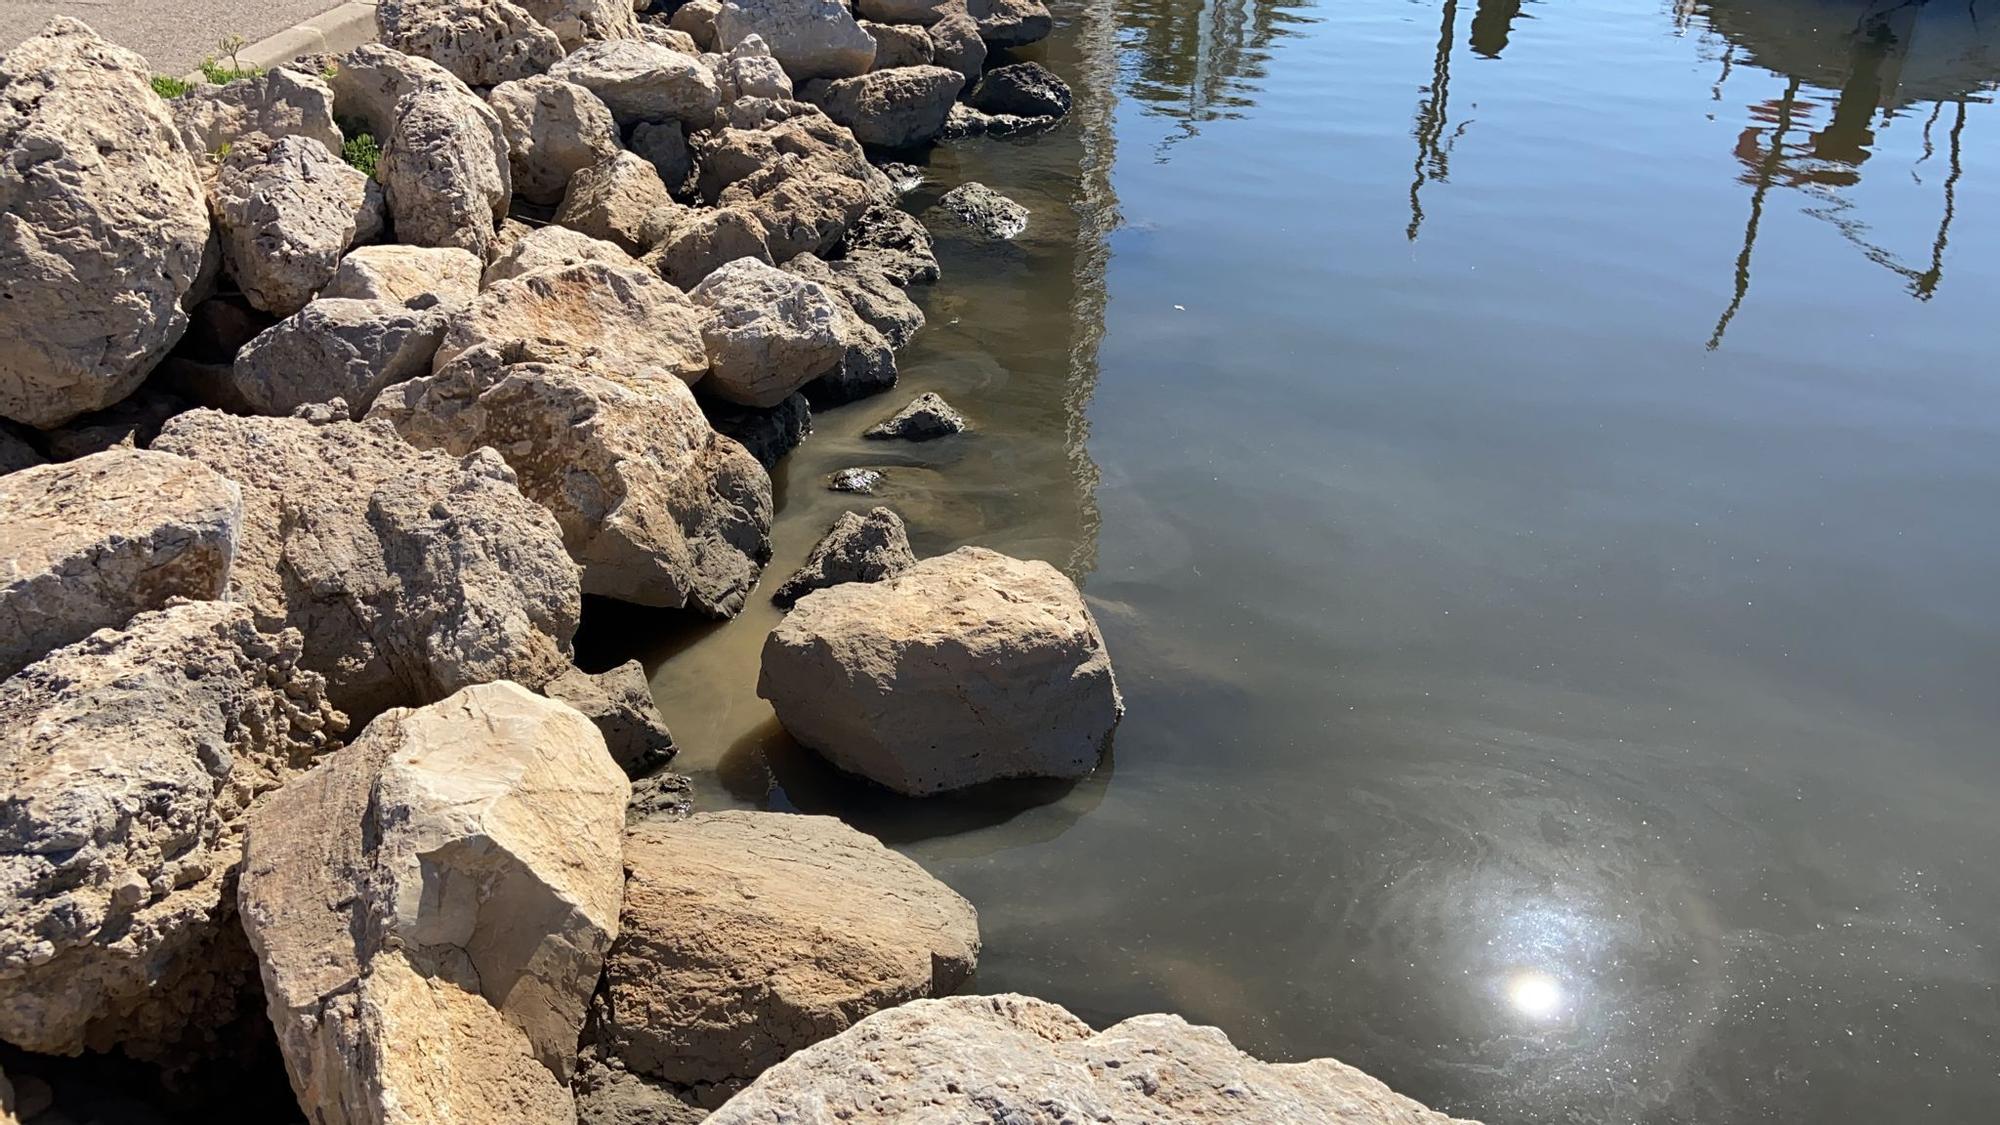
1536	467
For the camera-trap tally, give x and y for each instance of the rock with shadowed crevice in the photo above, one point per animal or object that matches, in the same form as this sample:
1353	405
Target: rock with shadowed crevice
890	108
621	200
287	211
857	548
555	129
333	348
444	170
642	81
619	703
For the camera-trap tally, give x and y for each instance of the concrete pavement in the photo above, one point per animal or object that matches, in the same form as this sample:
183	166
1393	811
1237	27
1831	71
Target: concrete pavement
175	35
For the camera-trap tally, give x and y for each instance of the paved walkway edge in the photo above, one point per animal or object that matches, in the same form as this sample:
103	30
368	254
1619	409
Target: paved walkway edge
341	29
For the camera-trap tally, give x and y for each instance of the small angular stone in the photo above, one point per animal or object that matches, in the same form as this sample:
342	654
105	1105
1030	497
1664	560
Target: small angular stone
928	416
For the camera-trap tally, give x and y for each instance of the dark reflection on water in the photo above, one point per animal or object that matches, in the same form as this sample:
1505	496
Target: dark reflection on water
1563	718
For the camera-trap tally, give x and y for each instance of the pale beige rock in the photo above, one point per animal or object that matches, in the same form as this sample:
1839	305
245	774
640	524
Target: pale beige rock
698	241
771	333
890	108
592	315
430	910
483	42
444	170
277	103
287	211
1025	1061
658	508
965	668
746	936
870	292
403	274
955	42
86	544
369	82
103	225
696	19
578	22
553	247
923	12
898	45
554	130
411	574
334	348
749	71
669	38
128	759
812	38
1012	23
622	201
643	81
619	703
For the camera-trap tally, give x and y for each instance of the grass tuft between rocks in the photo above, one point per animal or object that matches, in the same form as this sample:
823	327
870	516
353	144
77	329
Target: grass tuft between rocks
169	87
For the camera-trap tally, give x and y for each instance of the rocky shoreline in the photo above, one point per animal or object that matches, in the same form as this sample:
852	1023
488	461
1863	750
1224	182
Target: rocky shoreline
326	394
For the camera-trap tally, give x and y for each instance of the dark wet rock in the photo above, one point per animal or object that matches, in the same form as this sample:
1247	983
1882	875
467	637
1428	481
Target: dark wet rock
905	178
609	1094
482	42
978	210
768	433
863	481
1026	89
858	548
619	703
669	795
894	242
966	122
928	416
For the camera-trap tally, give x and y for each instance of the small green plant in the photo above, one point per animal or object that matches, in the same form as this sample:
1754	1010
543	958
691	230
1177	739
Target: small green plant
361	151
222	74
170	87
222	154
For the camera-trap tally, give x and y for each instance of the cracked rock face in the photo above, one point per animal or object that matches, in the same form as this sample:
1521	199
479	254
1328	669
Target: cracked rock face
483	42
128	760
430	910
857	548
746	936
412	574
658	508
103	225
89	543
967	667
1015	1058
287	211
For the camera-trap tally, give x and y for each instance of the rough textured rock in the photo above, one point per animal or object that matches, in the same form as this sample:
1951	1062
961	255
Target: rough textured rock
483	42
857	548
770	334
965	668
867	362
335	347
696	20
966	121
663	144
812	38
921	12
591	315
553	247
899	45
856	480
804	207
927	417
978	211
767	434
609	1094
444	170
890	108
876	299
404	274
698	241
430	910
619	703
1020	1060
88	543
749	71
955	43
277	103
894	242
747	162
1026	89
15	453
746	936
660	795
642	81
286	212
411	574
371	81
669	38
658	508
578	22
103	225
133	423
128	759
1013	23
621	201
554	130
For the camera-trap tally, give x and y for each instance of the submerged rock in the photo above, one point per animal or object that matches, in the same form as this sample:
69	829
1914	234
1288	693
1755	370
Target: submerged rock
1014	1058
811	38
86	544
978	210
105	230
965	668
1026	89
927	417
483	42
890	108
857	548
863	481
128	759
554	129
746	936
619	703
894	242
430	910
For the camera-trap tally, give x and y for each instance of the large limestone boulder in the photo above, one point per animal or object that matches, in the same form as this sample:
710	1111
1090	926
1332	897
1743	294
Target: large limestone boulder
592	315
89	543
890	108
697	241
128	759
657	507
749	71
430	910
770	334
1012	23
287	211
622	201
335	347
553	247
103	225
444	170
965	668
869	291
371	81
554	130
411	574
812	38
857	548
405	274
899	44
746	936
696	20
955	42
277	103
579	22
483	42
642	81
804	207
1017	1059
